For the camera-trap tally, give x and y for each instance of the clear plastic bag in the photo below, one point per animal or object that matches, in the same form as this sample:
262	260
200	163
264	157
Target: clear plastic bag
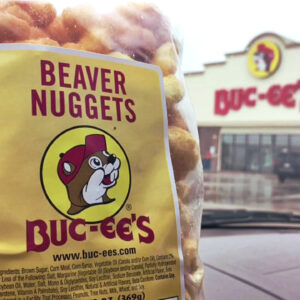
130	31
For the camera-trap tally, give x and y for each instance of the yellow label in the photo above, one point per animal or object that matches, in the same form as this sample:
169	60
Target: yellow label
88	198
263	58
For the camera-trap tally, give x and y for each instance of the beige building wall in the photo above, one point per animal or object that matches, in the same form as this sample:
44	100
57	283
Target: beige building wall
234	74
263	117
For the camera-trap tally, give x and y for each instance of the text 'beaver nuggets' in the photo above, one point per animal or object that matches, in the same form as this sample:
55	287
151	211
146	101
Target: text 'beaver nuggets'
88	171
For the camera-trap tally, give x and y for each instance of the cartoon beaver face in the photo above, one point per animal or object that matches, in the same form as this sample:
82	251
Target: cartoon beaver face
263	58
260	61
88	171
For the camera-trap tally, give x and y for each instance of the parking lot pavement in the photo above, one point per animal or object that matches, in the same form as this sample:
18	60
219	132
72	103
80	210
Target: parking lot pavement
261	191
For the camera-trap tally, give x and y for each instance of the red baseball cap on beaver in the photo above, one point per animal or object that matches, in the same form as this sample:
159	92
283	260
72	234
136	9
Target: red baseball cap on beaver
75	156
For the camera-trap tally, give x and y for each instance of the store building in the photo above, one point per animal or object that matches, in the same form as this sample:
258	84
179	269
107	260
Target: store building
248	107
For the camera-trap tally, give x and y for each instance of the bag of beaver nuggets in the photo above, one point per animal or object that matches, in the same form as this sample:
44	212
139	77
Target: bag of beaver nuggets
101	181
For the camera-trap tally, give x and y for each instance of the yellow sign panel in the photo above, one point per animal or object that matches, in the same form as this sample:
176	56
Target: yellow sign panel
263	58
88	200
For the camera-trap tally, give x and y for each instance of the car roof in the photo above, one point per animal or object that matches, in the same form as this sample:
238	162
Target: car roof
263	263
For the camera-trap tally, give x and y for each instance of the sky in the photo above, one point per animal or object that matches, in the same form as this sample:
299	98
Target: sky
212	28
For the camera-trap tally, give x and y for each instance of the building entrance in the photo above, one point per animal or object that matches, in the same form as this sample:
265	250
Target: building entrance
255	152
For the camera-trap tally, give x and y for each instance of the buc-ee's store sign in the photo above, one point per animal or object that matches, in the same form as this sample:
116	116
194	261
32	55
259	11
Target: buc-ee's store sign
264	58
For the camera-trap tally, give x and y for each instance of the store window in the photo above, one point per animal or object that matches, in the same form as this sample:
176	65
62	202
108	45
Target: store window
255	152
228	139
240	139
227	152
266	154
295	143
253	139
281	140
281	143
266	139
239	150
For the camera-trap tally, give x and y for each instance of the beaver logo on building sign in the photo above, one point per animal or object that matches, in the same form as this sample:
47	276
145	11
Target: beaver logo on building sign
85	174
88	172
263	59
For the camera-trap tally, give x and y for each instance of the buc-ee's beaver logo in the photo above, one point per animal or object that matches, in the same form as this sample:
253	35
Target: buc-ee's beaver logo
85	174
264	58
